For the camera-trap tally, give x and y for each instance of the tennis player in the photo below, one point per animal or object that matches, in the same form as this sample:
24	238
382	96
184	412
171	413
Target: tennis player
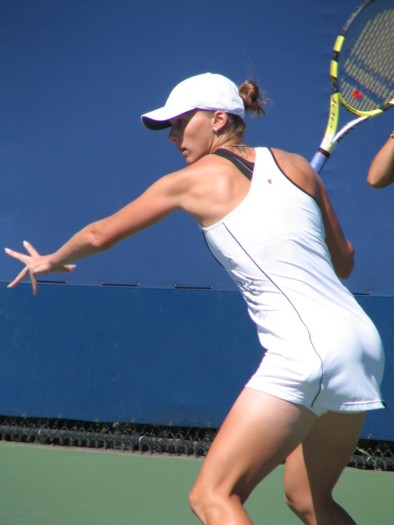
381	170
267	219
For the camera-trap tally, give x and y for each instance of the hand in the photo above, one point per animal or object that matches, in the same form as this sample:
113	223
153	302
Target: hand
34	264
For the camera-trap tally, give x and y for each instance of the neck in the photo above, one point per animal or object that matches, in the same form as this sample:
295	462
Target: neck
234	143
238	147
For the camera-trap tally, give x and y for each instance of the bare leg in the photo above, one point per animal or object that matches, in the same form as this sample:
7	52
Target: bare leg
314	467
259	432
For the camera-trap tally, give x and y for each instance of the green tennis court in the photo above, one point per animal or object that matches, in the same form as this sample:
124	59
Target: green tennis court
66	486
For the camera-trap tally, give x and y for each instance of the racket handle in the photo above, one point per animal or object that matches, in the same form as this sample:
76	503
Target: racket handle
318	161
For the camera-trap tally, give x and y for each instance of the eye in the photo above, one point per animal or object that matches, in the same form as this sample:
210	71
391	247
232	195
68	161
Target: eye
179	124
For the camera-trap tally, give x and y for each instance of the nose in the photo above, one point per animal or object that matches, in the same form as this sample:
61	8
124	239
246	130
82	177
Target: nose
173	136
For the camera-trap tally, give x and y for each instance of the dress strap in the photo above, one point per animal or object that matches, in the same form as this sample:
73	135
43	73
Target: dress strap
245	166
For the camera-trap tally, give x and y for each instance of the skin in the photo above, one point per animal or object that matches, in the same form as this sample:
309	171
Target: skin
381	170
260	431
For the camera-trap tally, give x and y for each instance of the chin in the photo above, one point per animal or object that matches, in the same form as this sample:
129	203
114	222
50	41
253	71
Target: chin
191	159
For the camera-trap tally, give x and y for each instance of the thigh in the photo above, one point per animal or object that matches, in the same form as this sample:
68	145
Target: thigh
257	435
314	467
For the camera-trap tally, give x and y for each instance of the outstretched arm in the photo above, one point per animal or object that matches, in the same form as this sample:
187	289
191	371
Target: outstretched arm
157	202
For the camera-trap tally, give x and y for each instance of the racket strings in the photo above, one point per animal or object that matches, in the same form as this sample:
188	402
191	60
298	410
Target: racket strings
366	63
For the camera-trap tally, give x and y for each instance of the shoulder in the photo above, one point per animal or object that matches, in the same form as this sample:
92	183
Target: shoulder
299	171
208	189
207	176
292	161
209	168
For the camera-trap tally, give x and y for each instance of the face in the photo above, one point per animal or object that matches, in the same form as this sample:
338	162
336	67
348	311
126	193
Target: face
192	134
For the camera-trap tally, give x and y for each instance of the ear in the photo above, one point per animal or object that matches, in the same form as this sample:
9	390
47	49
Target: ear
219	121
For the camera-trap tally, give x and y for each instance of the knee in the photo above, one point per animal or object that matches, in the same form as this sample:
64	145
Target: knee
200	501
208	504
309	508
301	504
195	500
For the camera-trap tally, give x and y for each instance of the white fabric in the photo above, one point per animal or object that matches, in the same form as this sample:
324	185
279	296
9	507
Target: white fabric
322	350
208	91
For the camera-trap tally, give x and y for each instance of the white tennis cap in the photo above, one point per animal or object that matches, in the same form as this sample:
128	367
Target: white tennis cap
208	91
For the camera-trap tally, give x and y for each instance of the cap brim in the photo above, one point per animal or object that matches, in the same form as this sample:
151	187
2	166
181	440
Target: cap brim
160	118
155	125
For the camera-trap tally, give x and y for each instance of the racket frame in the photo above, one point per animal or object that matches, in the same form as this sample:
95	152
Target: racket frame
331	136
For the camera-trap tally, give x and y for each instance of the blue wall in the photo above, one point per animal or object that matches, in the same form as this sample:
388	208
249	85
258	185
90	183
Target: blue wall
124	354
77	74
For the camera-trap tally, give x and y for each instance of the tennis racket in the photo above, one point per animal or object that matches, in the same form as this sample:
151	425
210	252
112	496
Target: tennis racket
361	72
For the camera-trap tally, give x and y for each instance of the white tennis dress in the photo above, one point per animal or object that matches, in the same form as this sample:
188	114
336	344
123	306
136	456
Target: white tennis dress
322	350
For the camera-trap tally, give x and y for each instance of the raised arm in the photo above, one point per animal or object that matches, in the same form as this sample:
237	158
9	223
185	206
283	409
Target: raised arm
341	250
381	170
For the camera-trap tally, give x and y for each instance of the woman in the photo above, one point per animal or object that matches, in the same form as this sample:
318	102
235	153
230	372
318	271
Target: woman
381	170
268	220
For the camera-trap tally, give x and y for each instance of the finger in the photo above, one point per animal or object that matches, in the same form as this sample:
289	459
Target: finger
34	283
29	248
16	255
21	275
65	268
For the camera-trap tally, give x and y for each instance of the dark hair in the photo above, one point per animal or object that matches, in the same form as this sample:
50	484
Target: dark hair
253	98
254	101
